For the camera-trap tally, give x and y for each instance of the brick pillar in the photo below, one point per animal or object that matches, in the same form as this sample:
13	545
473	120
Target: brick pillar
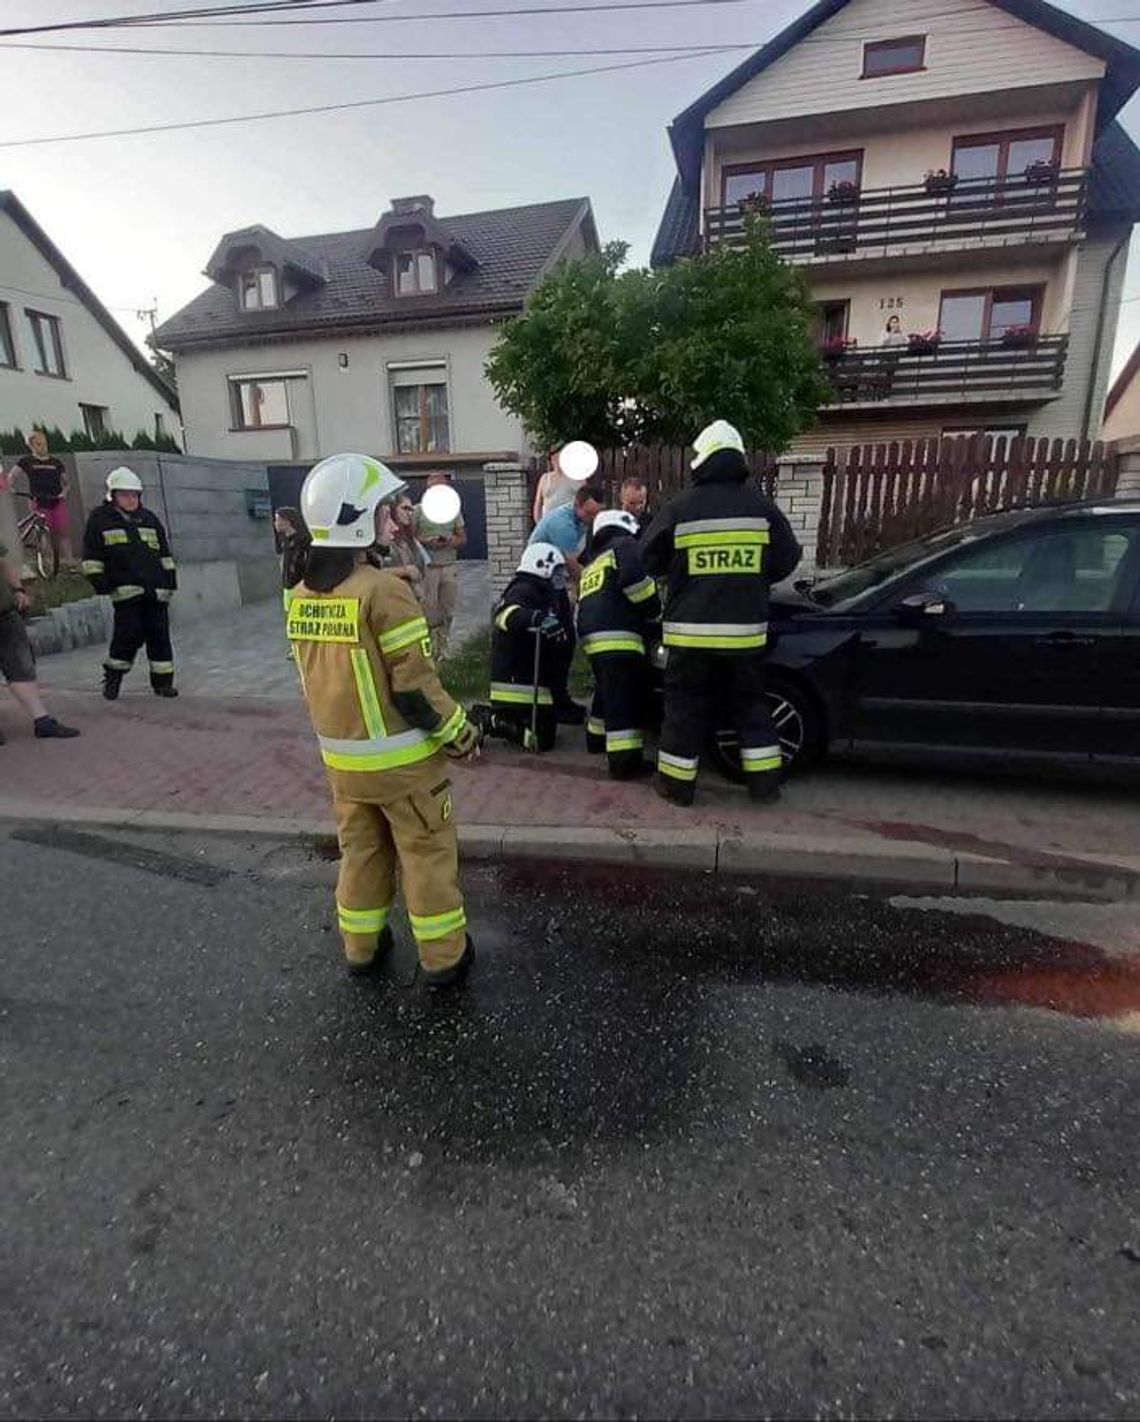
800	494
508	520
1128	485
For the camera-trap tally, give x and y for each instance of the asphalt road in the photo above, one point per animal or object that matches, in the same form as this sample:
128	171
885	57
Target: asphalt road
678	1149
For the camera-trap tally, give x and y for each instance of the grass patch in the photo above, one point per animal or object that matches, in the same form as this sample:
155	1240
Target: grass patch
466	673
66	587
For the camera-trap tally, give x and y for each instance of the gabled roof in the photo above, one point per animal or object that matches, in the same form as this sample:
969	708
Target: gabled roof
686	132
271	249
1122	382
1114	197
71	281
513	248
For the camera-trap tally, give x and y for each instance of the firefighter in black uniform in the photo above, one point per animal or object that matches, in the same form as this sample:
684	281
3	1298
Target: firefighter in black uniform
721	544
617	603
529	622
126	556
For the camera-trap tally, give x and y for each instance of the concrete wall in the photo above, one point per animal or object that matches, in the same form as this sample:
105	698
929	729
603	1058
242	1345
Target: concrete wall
98	372
333	408
975	50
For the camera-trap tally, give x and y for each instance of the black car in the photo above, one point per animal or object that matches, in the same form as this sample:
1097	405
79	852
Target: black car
1016	637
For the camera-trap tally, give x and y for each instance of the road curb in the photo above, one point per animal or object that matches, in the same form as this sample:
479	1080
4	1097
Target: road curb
726	851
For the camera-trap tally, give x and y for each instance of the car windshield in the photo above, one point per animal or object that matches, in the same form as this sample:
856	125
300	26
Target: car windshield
875	571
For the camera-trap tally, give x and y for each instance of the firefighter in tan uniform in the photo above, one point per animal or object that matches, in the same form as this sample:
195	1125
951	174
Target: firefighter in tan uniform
384	724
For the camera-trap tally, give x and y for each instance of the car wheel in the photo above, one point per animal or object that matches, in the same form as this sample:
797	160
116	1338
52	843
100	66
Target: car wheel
799	729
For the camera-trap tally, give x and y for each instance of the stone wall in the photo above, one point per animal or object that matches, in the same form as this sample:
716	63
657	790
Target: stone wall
508	521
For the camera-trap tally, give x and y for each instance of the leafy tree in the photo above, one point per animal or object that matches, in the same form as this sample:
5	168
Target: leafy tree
624	357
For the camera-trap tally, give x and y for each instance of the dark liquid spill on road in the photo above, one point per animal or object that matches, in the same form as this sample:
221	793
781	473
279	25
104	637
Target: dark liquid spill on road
855	942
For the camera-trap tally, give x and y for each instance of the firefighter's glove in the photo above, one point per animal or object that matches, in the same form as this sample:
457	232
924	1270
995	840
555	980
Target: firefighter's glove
465	744
553	629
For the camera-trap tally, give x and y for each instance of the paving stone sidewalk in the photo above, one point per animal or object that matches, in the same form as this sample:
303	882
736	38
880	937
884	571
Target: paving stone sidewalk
238	744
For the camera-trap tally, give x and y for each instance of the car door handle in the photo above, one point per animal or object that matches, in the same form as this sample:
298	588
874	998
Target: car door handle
1063	641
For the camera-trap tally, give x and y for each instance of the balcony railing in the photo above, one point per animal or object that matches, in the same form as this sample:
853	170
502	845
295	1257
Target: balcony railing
952	371
991	209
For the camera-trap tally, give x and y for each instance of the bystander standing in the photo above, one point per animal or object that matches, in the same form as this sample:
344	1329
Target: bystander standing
441	577
17	661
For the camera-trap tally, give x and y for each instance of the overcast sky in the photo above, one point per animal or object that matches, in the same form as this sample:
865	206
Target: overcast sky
139	216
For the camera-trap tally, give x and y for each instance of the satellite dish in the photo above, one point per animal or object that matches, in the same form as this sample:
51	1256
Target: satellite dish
440	504
578	460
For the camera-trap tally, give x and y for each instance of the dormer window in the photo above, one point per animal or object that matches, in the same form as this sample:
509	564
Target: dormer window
258	289
416	273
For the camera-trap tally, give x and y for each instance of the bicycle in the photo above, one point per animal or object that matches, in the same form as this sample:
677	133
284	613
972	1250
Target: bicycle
36	538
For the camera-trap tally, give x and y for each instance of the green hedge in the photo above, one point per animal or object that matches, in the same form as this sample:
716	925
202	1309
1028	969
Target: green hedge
77	442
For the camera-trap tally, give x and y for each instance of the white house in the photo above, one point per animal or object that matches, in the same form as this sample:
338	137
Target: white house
372	340
64	359
956	186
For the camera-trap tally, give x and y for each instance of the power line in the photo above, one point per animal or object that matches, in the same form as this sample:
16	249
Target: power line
354	104
465	14
222	16
249	7
387	54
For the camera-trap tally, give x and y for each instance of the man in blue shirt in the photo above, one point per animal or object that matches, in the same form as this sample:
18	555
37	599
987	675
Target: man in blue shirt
568	528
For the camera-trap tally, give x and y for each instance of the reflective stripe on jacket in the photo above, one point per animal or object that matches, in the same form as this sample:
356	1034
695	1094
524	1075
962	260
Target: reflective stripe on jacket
721	545
363	653
617	599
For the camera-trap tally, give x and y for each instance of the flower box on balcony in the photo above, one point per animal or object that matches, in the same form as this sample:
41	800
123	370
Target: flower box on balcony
843	193
1019	337
923	342
939	181
1040	174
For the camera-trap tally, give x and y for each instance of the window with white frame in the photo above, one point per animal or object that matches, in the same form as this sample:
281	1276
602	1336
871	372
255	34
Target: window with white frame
420	408
261	402
416	273
7	341
47	344
258	289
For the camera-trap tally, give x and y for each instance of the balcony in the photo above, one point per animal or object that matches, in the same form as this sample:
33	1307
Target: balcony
962	213
951	373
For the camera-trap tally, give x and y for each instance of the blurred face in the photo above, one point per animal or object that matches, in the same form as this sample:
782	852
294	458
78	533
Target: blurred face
405	512
126	499
37	443
894	324
589	510
282	525
634	498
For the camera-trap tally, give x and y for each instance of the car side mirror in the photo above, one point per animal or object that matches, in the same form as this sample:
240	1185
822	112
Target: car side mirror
920	606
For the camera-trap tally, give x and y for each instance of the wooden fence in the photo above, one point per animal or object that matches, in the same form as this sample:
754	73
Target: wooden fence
877	496
665	469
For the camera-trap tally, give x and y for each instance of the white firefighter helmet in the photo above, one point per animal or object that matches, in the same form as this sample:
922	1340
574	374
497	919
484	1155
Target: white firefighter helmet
618	519
542	560
340	496
713	438
123	481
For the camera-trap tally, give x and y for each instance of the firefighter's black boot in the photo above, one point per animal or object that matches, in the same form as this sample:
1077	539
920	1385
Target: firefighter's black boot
378	959
677	792
165	689
457	973
112	681
763	789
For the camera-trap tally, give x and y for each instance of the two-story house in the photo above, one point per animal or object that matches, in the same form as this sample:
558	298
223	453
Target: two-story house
64	359
953	179
372	340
